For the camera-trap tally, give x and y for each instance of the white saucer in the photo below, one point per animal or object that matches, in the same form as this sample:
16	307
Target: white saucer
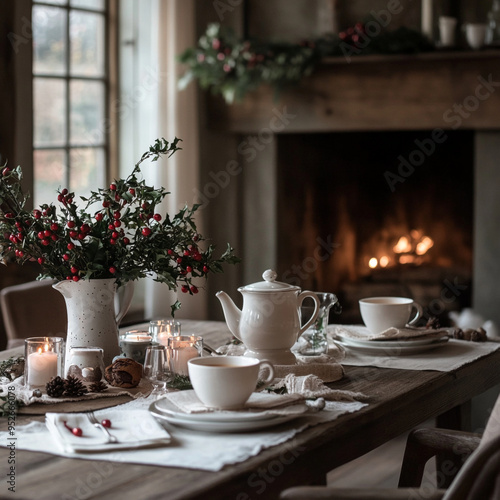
391	348
416	341
180	420
166	407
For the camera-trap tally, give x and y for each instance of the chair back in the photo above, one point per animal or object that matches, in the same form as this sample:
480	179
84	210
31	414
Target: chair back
479	478
32	309
493	426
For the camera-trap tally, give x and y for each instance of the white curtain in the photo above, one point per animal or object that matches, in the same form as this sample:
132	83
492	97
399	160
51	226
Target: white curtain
154	33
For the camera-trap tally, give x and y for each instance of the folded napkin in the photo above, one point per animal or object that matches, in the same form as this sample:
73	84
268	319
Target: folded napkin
311	387
272	404
357	332
133	429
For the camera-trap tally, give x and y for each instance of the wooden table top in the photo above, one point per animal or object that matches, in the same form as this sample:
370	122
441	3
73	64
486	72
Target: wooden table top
398	401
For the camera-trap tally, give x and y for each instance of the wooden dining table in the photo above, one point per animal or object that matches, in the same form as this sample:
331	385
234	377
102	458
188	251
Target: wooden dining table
399	400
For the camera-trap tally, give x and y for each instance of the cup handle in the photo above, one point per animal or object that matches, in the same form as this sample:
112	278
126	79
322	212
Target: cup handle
270	367
315	315
420	311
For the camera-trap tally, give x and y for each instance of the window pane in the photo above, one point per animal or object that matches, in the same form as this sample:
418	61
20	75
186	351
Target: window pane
56	2
86	171
49	101
49	168
86	44
86	112
49	35
88	4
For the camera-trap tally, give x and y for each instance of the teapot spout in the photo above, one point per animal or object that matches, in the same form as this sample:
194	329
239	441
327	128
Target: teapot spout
231	313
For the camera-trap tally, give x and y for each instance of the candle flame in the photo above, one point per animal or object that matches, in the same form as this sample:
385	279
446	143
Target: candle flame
46	347
39	350
384	261
373	262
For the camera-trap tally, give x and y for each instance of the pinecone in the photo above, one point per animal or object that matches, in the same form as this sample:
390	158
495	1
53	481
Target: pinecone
74	387
55	387
98	386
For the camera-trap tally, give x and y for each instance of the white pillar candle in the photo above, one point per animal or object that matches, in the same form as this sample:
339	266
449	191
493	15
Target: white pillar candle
179	358
42	366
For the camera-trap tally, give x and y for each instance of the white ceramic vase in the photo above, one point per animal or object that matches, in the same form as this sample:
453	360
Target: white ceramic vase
94	314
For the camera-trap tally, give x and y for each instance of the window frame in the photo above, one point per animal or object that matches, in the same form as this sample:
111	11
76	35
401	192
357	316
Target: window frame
108	123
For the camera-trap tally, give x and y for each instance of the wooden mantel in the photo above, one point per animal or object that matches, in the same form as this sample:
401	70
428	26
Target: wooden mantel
433	90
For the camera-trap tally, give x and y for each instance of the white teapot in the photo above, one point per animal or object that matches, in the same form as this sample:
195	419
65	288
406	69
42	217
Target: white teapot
269	322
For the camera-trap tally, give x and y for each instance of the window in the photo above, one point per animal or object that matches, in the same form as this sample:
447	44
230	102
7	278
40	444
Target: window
70	96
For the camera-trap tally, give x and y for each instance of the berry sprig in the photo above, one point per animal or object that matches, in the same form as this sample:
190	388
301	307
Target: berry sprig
118	232
77	431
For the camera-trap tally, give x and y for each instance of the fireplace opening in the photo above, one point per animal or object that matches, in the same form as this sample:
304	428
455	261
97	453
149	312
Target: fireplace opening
378	213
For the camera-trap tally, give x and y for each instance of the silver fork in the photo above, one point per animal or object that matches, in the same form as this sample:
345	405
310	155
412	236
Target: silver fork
93	420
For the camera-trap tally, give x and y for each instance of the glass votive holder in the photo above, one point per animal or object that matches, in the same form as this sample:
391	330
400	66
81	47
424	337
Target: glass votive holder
44	359
85	363
133	344
181	349
162	329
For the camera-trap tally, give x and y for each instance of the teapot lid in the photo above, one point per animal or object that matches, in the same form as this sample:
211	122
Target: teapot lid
269	284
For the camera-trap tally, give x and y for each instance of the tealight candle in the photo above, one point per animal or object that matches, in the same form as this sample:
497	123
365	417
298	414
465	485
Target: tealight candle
181	349
85	363
43	360
134	344
163	329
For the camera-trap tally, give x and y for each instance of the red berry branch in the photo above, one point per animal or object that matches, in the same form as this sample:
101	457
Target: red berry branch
125	237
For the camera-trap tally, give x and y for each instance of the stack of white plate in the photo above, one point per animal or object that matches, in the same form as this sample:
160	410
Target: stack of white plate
218	421
391	347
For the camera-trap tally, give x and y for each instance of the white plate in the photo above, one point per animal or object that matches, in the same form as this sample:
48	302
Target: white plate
166	407
382	349
220	427
389	343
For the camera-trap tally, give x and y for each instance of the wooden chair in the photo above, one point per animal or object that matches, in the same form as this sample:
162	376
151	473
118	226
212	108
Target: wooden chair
478	479
32	309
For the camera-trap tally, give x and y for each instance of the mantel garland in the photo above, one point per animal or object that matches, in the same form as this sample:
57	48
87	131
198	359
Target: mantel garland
232	67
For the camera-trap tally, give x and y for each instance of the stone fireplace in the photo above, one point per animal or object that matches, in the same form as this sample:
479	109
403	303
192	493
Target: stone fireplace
382	180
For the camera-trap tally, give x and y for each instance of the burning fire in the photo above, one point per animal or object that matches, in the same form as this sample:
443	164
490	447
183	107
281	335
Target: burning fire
409	249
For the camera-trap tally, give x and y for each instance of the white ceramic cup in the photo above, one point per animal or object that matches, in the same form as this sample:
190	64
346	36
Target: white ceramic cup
475	33
381	313
447	27
226	382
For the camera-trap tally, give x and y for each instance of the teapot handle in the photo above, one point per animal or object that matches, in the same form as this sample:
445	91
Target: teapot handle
315	314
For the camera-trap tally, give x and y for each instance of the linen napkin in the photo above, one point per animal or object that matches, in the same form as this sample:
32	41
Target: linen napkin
133	429
312	387
357	332
268	404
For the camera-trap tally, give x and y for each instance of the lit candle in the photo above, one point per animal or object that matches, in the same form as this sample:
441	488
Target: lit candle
138	338
133	345
42	366
180	357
